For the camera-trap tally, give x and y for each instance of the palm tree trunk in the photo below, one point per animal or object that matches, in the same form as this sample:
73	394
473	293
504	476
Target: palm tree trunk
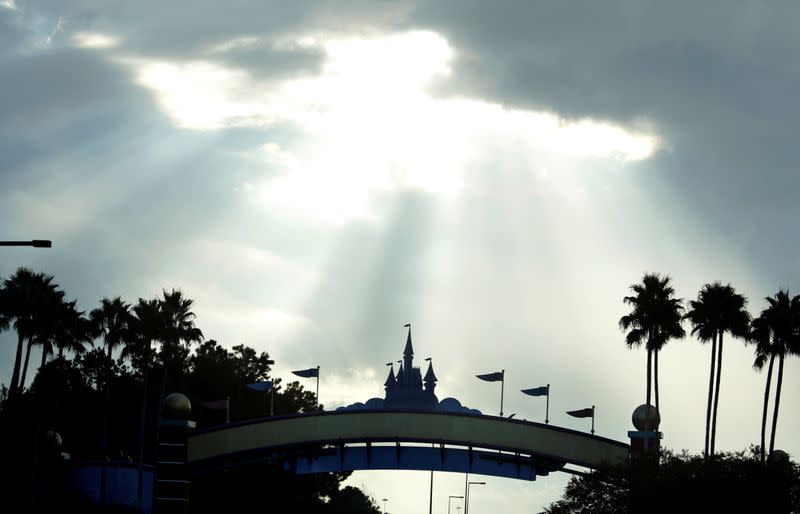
710	390
764	413
44	356
649	367
25	367
777	404
17	362
655	378
716	397
60	352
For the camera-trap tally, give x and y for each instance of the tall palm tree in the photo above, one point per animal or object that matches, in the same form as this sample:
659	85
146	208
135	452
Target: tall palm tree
765	351
778	328
65	328
112	322
655	318
147	327
74	332
23	294
47	313
180	330
717	310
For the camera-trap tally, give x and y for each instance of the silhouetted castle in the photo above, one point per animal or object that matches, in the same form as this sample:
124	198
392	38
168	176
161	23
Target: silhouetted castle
410	390
406	390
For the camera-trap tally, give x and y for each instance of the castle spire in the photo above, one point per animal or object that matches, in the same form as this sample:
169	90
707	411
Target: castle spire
409	350
430	377
390	380
408	359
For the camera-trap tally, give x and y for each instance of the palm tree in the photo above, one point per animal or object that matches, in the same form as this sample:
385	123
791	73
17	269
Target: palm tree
180	330
46	310
777	330
765	350
23	294
147	327
112	322
75	332
655	318
717	310
64	328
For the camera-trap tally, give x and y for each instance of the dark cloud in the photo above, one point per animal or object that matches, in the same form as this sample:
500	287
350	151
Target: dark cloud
716	81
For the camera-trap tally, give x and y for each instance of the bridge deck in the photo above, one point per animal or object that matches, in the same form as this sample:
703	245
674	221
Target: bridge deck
375	426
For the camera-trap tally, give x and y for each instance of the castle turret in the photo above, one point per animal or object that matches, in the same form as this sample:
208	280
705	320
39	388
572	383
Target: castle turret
391	381
408	353
430	378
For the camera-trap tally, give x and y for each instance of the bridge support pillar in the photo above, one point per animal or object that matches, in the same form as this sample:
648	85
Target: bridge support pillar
173	484
645	443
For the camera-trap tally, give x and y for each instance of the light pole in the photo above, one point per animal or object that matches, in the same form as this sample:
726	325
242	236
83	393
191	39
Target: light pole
466	500
36	243
384	504
449	500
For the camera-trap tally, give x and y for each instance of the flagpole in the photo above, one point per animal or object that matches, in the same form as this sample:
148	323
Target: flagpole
317	387
592	419
502	386
547	409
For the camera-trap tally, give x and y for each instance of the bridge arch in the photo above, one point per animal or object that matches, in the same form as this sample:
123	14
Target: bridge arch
404	439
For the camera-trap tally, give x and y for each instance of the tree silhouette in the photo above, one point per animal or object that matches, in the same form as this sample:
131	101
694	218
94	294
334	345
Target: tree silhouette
62	327
765	350
179	329
112	322
23	296
655	318
717	310
777	329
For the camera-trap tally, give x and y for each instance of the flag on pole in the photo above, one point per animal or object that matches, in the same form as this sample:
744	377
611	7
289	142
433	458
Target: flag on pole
261	386
581	413
215	404
307	373
492	377
536	391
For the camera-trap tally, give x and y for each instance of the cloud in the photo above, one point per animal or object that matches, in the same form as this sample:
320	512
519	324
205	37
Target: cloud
317	176
94	40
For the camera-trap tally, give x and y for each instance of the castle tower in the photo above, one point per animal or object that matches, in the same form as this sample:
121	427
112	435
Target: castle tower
430	378
408	355
391	381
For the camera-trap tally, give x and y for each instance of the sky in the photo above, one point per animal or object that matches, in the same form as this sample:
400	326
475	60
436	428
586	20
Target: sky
317	174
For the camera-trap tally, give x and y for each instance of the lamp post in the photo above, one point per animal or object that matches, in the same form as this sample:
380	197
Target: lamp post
449	500
466	500
384	504
36	243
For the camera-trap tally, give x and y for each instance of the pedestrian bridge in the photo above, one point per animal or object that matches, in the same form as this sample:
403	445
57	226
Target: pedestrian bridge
392	439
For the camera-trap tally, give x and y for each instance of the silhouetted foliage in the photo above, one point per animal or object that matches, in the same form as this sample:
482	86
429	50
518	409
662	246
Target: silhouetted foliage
717	310
733	482
776	332
655	318
77	397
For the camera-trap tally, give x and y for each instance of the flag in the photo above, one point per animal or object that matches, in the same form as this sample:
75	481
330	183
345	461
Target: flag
215	404
307	373
582	413
536	391
261	386
491	377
